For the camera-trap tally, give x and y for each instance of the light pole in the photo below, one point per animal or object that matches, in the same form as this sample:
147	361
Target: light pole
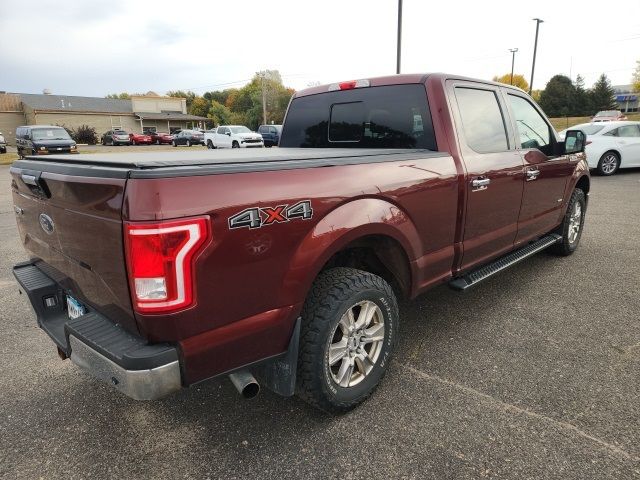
535	49
399	36
513	60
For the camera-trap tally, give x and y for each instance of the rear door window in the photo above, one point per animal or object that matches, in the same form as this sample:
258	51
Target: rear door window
394	116
482	120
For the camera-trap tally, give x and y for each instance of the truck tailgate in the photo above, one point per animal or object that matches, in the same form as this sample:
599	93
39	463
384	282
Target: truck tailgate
72	227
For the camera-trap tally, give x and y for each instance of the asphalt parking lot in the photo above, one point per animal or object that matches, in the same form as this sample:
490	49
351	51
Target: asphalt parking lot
533	375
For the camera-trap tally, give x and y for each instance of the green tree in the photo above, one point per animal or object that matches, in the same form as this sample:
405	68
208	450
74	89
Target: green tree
199	106
602	95
582	101
558	97
635	78
518	80
219	114
121	96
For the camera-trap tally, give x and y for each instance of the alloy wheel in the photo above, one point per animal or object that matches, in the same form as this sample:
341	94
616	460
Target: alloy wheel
356	344
575	222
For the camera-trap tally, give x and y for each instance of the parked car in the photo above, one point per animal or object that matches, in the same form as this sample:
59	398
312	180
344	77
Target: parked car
608	116
157	273
116	137
3	144
188	138
160	137
270	134
232	136
43	140
140	139
611	145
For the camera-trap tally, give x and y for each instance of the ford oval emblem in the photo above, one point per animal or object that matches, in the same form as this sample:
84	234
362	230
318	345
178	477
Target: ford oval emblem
46	223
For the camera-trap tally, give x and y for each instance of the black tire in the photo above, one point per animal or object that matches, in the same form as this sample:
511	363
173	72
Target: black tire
157	142
609	163
569	244
210	145
103	143
188	143
333	293
235	144
174	143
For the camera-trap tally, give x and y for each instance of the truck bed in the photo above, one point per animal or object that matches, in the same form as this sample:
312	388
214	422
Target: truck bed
211	162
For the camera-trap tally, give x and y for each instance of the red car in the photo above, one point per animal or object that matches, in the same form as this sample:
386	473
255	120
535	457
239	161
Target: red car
160	138
608	116
140	139
155	273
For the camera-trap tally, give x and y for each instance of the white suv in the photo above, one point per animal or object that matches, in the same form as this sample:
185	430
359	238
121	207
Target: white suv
232	136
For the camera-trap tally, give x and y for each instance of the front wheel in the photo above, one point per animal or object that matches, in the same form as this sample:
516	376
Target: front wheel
235	144
349	327
188	143
571	227
609	163
174	143
210	145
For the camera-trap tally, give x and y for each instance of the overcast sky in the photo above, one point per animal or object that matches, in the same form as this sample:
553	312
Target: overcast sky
94	48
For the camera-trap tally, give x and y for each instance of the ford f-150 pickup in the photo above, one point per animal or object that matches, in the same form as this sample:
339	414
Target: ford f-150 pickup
156	271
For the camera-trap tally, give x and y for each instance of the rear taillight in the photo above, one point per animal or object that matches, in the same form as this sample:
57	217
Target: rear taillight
160	259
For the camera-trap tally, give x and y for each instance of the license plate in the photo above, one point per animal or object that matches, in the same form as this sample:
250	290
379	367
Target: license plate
74	308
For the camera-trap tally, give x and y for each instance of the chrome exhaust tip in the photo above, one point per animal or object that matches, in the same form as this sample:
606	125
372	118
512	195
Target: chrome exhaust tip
245	383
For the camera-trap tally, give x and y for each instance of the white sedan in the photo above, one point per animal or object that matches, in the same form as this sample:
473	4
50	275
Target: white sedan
611	145
232	136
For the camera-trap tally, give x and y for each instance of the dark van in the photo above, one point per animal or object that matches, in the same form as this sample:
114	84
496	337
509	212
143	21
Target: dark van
270	134
43	140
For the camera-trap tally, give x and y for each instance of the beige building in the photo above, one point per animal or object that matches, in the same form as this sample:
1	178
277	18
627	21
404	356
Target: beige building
143	112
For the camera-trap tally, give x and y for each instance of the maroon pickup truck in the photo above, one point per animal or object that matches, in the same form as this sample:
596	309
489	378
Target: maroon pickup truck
156	271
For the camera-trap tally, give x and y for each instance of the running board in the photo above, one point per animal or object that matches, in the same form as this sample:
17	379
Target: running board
476	276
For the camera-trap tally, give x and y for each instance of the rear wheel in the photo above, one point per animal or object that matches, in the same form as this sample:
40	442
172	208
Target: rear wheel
210	145
609	163
188	143
133	142
174	143
571	227
349	328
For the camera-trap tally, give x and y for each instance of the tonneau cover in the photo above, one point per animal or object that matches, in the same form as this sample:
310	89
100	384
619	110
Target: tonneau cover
208	162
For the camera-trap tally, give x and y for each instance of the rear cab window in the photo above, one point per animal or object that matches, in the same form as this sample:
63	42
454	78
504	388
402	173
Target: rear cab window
393	116
482	120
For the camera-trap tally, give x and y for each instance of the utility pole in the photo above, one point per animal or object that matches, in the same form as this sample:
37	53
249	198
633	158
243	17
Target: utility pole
399	52
264	100
535	50
513	59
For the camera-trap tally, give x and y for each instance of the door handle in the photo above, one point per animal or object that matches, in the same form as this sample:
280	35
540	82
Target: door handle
480	184
532	174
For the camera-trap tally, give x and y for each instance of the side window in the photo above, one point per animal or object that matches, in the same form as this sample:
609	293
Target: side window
482	120
533	130
263	129
611	133
273	130
628	131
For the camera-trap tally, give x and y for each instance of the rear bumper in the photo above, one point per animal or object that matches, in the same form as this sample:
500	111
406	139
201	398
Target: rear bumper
128	362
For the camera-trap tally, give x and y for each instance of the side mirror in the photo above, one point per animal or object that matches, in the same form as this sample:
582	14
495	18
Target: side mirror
228	133
575	141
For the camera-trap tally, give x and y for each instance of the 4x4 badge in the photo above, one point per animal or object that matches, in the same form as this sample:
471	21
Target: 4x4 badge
257	217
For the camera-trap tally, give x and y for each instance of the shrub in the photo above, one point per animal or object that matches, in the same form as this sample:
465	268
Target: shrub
85	134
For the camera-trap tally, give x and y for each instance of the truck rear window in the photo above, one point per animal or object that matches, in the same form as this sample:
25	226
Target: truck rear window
394	116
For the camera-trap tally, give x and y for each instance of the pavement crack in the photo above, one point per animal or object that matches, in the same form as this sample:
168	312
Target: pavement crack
515	409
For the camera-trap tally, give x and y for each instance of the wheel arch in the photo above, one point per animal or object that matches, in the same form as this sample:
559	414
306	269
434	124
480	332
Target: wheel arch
370	234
